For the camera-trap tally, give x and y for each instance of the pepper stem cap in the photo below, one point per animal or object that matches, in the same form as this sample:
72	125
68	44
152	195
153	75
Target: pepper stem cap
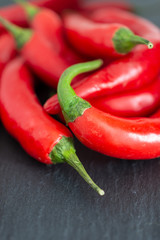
29	8
124	40
21	36
73	106
64	151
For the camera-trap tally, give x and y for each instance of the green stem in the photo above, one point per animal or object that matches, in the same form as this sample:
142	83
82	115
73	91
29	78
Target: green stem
30	9
21	36
64	151
73	106
124	40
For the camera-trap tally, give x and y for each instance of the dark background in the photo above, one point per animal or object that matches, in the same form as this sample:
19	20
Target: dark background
39	202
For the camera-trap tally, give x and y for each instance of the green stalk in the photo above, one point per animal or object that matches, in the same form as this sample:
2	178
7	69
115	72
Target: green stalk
21	36
73	106
30	9
124	40
64	151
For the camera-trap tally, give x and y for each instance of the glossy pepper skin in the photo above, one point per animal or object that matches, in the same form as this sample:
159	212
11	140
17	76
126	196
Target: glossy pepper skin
38	53
136	23
133	71
105	133
23	116
7	50
49	25
100	40
137	139
7	53
138	103
44	138
16	14
44	60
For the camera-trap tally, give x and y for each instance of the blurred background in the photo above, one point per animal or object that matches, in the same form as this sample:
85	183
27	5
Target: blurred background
149	8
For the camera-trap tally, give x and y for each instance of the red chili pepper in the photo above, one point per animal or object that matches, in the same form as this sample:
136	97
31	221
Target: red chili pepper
42	137
91	6
7	50
49	25
100	40
137	103
105	133
40	56
137	24
133	71
15	13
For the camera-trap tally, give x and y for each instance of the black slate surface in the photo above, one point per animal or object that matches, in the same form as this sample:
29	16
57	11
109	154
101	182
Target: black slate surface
40	202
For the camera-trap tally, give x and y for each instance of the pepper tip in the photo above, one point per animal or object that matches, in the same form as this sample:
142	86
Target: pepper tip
150	45
101	192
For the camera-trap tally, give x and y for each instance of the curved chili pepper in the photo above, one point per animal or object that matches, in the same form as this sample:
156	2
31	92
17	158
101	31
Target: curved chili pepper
138	103
105	133
91	6
40	56
15	13
100	40
133	71
42	137
49	25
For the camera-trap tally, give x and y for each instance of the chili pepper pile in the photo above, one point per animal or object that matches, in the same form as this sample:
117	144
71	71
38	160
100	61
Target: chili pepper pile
114	107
